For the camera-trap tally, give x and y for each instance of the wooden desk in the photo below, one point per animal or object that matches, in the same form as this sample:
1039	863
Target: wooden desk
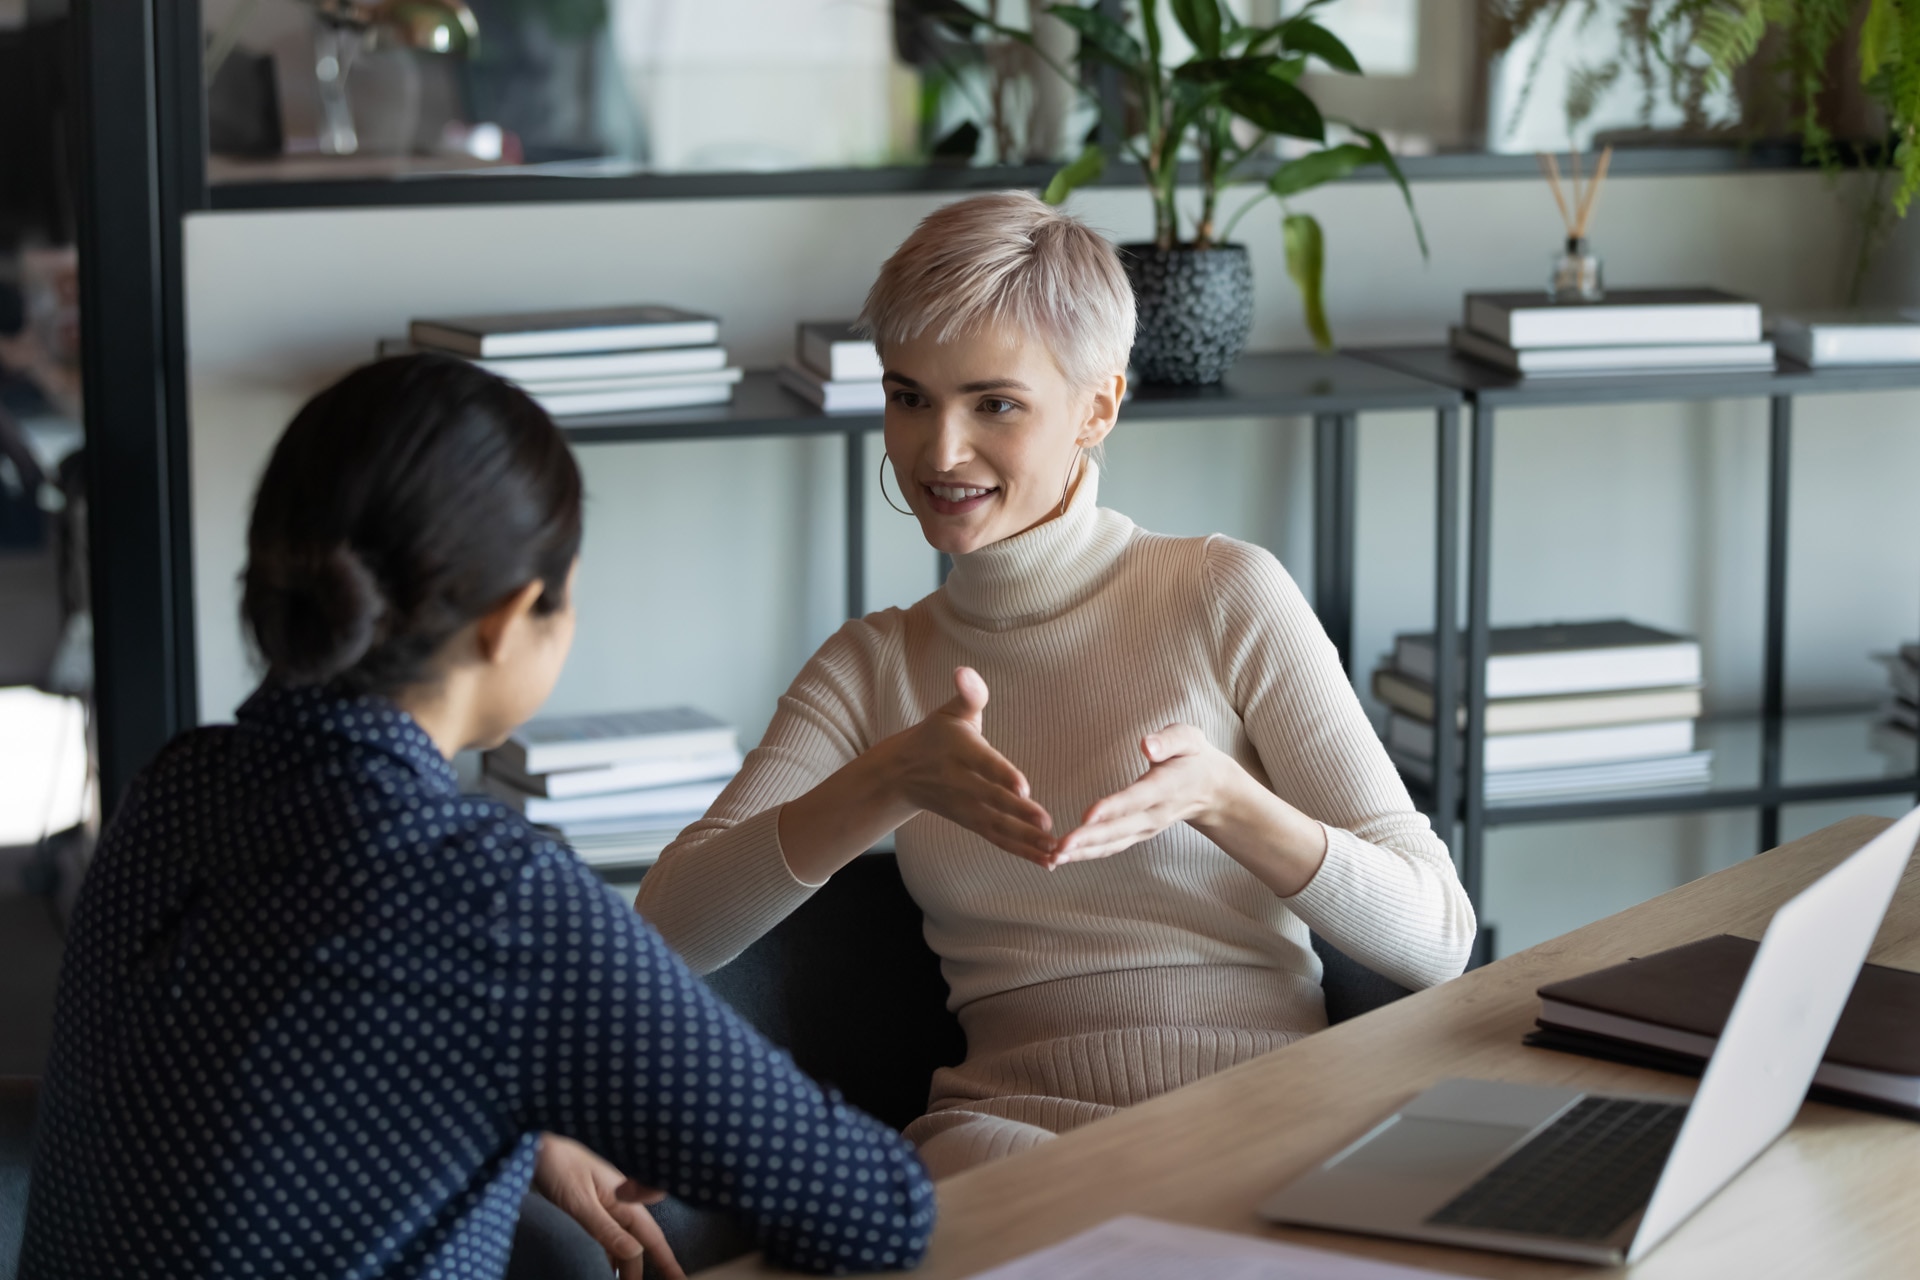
1837	1195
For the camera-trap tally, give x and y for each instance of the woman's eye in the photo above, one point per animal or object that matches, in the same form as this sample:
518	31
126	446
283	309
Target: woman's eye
907	399
994	404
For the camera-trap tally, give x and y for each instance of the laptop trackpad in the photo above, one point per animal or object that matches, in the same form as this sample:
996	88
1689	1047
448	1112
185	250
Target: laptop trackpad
1398	1177
1417	1149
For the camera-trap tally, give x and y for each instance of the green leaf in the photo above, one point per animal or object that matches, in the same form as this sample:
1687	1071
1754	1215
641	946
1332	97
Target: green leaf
1100	36
1384	158
1082	169
1304	36
1200	19
1317	167
1879	38
1307	264
1274	105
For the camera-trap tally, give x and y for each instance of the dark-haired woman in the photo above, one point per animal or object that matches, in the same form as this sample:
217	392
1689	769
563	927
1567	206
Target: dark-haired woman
319	1009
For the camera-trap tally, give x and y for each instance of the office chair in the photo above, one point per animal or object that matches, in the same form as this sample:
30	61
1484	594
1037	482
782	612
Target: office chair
19	1110
848	984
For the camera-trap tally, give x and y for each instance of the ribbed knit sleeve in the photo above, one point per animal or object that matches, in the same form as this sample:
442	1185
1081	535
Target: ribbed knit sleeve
725	881
1387	894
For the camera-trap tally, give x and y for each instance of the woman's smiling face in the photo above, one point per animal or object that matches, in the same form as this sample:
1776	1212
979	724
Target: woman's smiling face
985	433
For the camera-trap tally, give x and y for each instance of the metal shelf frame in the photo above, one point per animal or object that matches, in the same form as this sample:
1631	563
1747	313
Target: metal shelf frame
1331	390
1487	391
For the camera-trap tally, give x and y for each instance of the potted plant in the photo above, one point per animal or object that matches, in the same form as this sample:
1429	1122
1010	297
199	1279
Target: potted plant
1220	109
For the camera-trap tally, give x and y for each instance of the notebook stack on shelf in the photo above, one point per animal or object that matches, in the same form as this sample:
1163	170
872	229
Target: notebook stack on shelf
1573	709
616	787
1629	331
590	362
1902	707
834	369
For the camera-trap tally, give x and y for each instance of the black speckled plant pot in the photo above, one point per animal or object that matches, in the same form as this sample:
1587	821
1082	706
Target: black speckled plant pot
1195	309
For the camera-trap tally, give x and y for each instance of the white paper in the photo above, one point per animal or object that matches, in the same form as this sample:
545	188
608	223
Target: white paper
1133	1248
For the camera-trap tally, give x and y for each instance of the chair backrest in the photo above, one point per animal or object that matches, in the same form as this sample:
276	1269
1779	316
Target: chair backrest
849	986
19	1112
1351	988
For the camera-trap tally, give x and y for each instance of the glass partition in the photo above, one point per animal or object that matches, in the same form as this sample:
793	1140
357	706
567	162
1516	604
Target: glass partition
318	90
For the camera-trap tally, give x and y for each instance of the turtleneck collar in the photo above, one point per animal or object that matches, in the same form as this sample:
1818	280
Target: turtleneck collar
1045	571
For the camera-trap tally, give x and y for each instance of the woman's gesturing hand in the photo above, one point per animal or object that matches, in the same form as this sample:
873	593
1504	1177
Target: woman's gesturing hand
607	1203
1190	780
944	765
1185	781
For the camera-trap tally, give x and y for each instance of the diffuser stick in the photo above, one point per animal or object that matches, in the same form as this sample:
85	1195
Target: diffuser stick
1551	168
1593	194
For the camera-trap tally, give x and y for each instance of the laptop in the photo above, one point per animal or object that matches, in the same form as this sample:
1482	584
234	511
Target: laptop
1603	1178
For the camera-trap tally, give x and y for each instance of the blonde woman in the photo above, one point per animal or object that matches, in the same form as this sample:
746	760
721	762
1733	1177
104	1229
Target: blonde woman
1120	856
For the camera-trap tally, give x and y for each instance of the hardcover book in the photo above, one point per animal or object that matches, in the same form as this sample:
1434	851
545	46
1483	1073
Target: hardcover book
553	743
1568	658
1625	317
545	333
835	351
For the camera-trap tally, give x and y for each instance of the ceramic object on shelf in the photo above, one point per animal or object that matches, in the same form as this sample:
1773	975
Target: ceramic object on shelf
1195	309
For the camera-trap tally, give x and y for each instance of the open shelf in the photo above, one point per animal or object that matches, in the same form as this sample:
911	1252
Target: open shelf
1277	384
1492	387
1827	754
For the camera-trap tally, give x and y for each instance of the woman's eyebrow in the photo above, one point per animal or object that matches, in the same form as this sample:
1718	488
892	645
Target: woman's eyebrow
996	384
901	378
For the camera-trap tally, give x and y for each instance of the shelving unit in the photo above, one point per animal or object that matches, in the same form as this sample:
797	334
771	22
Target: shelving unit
1333	390
1778	773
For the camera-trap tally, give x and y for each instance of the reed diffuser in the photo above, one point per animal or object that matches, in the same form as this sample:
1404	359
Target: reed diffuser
1575	275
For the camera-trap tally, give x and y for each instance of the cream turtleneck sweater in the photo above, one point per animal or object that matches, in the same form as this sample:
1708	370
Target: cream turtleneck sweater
1090	633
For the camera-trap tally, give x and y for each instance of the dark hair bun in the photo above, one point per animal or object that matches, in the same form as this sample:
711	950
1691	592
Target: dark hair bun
315	611
402	503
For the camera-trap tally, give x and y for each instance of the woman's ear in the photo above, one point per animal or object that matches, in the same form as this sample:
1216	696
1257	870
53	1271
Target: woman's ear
1103	410
494	626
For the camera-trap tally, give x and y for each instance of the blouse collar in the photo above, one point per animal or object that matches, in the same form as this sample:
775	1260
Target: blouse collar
1044	571
365	720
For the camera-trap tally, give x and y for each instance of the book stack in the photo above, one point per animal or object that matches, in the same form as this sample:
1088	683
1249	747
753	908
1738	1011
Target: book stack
1629	331
1824	339
1902	708
588	362
617	787
835	369
1573	709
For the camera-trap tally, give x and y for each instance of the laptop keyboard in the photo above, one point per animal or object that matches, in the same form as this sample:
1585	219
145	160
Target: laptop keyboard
1579	1178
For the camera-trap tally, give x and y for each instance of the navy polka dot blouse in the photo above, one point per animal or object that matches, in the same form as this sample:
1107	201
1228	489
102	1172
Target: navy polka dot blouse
317	1006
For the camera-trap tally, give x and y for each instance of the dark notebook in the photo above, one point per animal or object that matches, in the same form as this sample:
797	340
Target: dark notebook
1666	1011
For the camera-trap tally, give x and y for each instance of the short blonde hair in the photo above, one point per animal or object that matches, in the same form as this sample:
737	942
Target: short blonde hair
1008	259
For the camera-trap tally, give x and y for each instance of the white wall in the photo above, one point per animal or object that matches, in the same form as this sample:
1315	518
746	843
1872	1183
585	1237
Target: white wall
712	570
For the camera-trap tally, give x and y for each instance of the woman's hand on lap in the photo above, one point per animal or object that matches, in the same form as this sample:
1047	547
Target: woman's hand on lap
944	765
607	1203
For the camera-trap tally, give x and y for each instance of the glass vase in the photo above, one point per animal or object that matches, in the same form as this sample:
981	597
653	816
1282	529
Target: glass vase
1576	274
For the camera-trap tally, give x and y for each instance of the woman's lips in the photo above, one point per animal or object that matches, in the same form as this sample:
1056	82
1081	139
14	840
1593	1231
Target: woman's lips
957	500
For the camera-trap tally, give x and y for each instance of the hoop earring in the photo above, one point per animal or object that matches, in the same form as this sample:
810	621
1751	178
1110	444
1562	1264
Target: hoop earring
1073	467
884	459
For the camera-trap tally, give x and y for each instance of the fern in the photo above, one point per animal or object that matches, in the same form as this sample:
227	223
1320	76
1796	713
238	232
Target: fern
1696	46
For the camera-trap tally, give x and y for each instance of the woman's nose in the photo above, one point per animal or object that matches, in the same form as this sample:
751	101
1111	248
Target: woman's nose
951	446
